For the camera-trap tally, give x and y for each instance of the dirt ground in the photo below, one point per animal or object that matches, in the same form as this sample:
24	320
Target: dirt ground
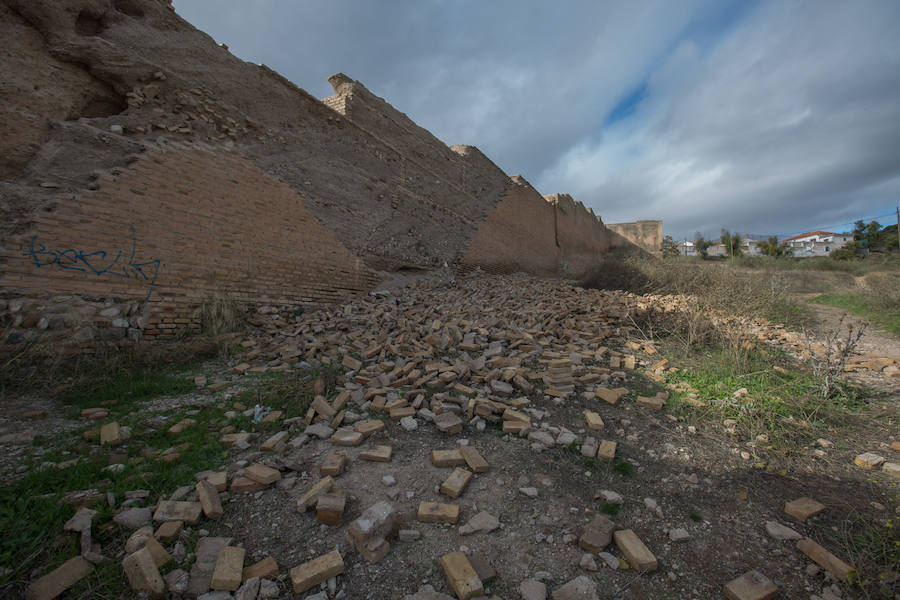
672	472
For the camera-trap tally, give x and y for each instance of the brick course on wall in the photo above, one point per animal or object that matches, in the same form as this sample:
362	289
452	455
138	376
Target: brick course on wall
179	227
545	236
517	236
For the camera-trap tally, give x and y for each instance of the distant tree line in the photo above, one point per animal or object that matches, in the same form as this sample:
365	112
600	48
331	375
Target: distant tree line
868	237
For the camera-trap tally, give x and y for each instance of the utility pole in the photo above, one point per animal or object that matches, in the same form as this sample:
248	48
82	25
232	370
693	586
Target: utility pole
898	225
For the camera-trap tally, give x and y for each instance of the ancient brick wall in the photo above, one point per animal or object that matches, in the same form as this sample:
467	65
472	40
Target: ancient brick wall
552	235
582	237
132	145
646	234
174	229
518	235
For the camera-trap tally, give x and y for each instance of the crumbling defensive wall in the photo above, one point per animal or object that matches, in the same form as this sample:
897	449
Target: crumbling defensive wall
145	170
646	234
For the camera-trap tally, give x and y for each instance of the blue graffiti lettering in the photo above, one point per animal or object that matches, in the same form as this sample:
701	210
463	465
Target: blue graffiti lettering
96	262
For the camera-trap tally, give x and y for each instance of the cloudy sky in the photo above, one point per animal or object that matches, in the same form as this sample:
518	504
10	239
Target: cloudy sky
767	117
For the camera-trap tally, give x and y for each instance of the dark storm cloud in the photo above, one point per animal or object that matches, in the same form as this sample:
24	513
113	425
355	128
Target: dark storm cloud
759	117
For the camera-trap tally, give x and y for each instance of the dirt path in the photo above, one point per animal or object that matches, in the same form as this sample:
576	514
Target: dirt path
875	343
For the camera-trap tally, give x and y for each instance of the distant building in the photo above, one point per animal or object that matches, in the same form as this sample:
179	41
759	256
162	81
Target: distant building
748	248
687	248
816	243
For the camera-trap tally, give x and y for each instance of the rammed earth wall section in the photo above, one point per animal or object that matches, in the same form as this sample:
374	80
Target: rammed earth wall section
546	236
178	227
647	235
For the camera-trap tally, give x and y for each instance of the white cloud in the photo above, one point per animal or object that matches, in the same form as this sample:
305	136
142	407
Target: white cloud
763	117
792	121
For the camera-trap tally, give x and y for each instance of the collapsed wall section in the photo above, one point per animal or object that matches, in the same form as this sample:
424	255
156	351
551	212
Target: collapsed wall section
239	181
168	234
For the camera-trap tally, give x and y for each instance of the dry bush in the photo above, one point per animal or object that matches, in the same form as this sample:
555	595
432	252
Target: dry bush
828	364
220	314
711	299
883	291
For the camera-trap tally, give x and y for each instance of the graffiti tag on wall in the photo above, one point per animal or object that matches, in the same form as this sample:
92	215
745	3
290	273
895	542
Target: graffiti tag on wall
96	262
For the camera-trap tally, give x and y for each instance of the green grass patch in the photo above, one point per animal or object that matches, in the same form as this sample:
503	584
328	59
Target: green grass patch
870	544
782	403
623	467
290	391
124	386
866	307
32	516
610	508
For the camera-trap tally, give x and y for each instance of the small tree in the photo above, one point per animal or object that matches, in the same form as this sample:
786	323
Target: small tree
732	243
847	251
702	245
669	247
867	234
771	247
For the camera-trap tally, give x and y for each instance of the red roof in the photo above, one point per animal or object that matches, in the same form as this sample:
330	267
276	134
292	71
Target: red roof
803	235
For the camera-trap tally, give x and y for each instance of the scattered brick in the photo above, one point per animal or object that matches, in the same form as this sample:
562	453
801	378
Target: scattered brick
448	422
485	571
607	394
474	459
159	554
219	480
209	499
827	560
229	569
868	460
606	450
516	427
447	458
351	363
276	442
169	530
142	573
377	454
267	568
636	553
229	439
175	510
245	484
321	406
461	576
803	508
316	571
347	437
333	465
59	579
456	483
434	512
594	422
262	474
309	499
651	402
110	434
752	585
330	509
367	428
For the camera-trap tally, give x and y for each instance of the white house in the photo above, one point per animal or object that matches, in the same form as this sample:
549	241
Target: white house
816	243
687	248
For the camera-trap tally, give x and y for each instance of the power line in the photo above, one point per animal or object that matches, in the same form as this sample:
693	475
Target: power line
832	225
